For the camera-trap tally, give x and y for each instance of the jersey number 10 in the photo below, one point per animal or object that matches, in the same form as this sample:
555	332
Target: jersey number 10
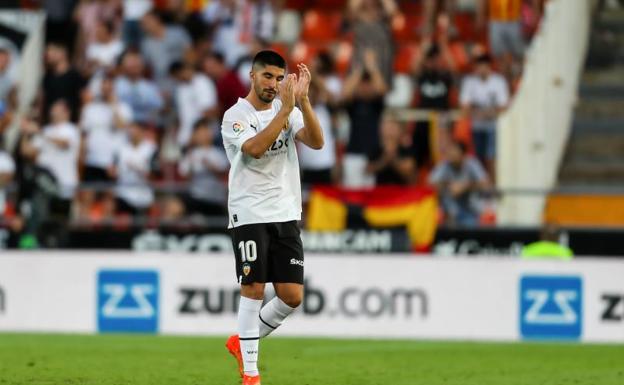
248	250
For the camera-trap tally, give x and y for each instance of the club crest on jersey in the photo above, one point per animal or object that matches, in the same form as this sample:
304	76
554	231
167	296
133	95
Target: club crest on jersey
237	127
246	269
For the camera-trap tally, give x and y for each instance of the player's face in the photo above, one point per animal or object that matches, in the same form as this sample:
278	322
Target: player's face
266	81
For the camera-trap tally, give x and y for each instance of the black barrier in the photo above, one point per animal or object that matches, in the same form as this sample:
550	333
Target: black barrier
448	242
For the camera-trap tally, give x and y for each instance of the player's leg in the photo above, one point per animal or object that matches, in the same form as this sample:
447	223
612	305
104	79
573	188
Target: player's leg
286	273
251	245
288	298
249	307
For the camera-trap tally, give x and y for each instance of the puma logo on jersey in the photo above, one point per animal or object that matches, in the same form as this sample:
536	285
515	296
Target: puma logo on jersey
254	127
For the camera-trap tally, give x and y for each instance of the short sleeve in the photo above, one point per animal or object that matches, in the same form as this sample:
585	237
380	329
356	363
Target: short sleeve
477	173
236	130
464	95
438	175
502	92
295	121
207	93
7	166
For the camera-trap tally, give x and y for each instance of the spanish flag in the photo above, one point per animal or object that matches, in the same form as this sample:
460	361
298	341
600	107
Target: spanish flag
416	208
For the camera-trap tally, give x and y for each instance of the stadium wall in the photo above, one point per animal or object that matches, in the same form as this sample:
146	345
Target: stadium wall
347	296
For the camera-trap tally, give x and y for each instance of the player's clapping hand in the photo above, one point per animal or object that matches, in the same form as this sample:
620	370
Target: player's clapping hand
303	83
287	92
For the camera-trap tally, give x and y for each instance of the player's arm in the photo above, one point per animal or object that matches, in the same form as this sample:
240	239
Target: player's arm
260	143
311	134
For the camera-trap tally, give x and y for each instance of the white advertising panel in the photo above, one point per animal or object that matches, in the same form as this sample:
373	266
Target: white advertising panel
347	296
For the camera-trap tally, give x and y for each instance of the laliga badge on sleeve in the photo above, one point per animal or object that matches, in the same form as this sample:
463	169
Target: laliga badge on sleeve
237	127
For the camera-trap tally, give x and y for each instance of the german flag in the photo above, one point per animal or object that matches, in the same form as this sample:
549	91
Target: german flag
416	208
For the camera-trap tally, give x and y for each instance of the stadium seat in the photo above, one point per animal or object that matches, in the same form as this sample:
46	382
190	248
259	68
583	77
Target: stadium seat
330	4
321	26
466	26
460	56
405	26
300	5
404	57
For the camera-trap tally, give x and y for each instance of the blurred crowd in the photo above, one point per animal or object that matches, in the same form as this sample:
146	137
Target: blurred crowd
126	126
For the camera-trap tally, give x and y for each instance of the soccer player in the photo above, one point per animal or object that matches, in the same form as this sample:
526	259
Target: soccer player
264	201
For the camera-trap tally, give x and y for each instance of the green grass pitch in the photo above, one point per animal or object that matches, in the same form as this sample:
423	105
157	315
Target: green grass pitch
149	360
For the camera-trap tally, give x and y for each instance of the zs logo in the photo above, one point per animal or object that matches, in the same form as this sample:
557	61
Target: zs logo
551	307
128	301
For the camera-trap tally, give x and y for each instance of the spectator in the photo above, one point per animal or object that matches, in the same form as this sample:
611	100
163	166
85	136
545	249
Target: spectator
57	150
458	181
195	98
370	22
206	166
104	51
483	96
433	71
61	81
549	246
103	122
391	162
133	12
60	27
162	45
363	98
323	69
89	15
236	22
505	29
229	87
317	165
132	170
7	171
140	94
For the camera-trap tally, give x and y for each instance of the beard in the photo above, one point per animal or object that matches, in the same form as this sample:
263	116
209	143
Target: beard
265	95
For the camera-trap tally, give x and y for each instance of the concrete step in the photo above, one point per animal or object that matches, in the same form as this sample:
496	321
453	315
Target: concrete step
592	172
600	86
591	126
607	148
599	109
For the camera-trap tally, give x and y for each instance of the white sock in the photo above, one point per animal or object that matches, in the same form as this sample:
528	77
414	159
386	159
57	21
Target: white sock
272	315
249	333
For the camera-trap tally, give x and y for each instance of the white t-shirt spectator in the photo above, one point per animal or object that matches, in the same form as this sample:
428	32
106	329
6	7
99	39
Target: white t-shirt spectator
325	158
7	166
105	54
136	9
133	168
205	185
103	138
192	99
61	162
488	93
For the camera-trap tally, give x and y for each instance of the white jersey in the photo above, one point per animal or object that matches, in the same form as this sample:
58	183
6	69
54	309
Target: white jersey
268	189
